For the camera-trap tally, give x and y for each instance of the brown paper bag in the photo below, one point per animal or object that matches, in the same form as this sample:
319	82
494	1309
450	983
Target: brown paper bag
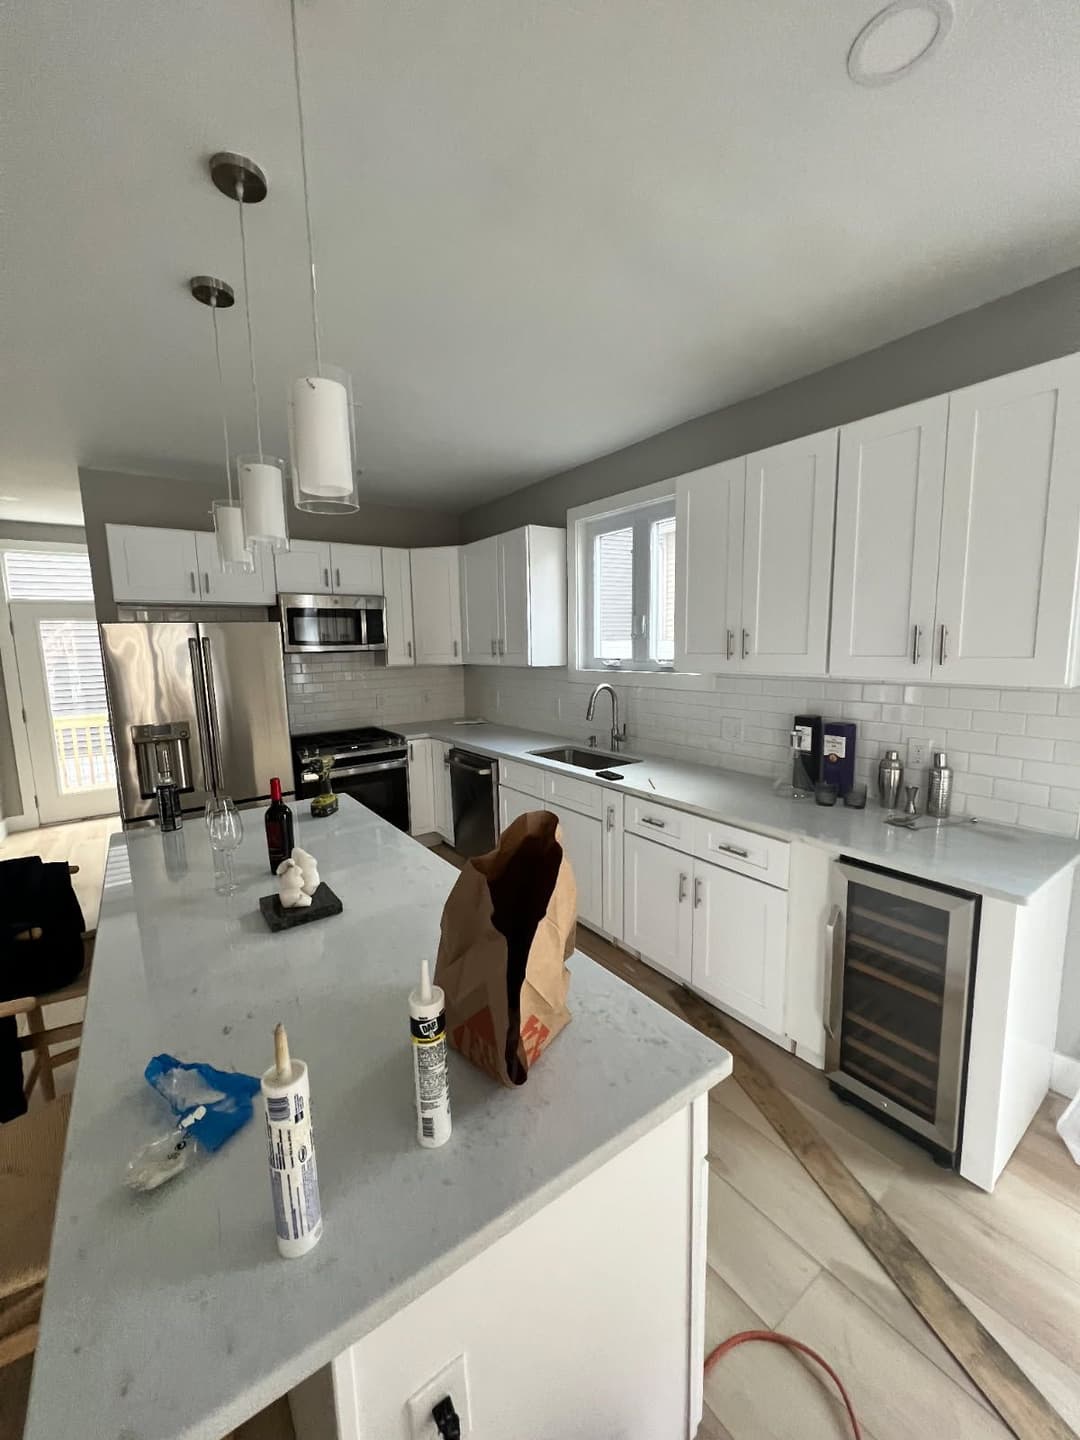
508	927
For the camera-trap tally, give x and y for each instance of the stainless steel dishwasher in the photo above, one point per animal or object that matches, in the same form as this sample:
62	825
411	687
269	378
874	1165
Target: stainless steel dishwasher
474	790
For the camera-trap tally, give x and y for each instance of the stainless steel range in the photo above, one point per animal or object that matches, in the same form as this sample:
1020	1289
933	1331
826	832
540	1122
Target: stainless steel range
369	764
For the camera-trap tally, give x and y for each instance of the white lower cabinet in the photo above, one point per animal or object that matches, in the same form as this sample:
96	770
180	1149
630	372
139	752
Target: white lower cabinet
740	944
583	839
421	787
657	919
444	805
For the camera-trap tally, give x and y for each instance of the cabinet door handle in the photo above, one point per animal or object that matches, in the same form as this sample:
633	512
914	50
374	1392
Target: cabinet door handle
730	645
943	648
194	582
734	850
916	643
697	892
455	649
493	651
659	824
408	648
337	579
206	580
682	887
611	817
410	753
745	643
502	647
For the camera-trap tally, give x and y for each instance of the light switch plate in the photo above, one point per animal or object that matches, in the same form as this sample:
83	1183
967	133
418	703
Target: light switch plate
451	1380
918	754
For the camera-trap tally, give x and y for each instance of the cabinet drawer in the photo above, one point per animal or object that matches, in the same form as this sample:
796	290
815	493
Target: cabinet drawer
576	795
742	850
661	823
525	778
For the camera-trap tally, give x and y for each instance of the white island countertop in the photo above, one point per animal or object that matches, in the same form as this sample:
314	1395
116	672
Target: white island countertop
171	1314
1003	861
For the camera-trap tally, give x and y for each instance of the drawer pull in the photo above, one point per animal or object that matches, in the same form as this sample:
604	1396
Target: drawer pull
659	824
734	850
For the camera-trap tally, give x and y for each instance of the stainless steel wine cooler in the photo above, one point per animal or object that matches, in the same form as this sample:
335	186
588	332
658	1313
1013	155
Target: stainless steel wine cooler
899	959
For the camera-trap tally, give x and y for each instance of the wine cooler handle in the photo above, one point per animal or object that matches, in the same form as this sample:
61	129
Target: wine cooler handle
834	971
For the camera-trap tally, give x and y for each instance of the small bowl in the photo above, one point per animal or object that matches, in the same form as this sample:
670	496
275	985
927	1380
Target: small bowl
824	793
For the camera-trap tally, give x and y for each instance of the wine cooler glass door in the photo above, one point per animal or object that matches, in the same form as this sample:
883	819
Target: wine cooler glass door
898	968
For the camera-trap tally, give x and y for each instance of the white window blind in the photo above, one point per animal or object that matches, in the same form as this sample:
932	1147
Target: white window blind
628	589
47	575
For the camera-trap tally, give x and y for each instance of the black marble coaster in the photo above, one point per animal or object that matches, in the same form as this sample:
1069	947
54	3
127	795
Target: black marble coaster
324	903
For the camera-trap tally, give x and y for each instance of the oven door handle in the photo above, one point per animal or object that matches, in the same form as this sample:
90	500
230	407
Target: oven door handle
349	770
834	974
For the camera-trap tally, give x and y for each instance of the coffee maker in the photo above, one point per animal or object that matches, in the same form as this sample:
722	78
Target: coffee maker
163	760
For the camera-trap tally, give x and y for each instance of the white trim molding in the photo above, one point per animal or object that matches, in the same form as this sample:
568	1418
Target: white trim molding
1065	1075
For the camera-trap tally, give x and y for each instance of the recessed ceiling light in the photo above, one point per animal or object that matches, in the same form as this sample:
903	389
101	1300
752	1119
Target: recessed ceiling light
897	39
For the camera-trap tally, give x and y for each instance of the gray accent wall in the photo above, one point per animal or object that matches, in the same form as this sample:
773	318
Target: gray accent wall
1025	328
112	497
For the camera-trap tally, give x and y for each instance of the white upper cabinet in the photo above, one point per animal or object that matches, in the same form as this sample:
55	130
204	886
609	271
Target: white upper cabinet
436	604
227	587
1010	531
513	598
397	583
708	567
787	556
153	566
356	569
304	569
888	524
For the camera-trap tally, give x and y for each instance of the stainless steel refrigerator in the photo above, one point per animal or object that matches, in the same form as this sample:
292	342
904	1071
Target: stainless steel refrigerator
225	682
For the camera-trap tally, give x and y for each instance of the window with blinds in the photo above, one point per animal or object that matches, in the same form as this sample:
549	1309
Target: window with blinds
629	589
75	686
47	575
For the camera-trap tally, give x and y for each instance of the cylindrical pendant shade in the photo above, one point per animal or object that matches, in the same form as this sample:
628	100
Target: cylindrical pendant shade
320	429
261	482
233	554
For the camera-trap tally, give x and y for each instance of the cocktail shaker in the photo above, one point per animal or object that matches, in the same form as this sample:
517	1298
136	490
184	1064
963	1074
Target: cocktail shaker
890	778
939	800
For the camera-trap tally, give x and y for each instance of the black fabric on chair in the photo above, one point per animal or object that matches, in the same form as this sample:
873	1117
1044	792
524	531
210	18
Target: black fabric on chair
33	896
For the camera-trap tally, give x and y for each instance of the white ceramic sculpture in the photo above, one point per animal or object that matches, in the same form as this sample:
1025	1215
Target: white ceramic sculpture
291	891
309	869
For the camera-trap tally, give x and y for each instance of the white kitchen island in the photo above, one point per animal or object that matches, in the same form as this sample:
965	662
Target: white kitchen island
556	1243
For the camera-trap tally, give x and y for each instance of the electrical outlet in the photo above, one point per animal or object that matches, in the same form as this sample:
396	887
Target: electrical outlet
918	754
452	1380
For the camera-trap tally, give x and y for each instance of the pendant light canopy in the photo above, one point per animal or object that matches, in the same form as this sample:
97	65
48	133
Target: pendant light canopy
233	553
260	477
320	404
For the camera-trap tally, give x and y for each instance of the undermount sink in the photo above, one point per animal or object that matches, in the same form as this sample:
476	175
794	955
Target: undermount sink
584	759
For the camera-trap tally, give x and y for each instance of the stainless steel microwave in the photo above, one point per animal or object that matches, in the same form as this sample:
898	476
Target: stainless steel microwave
332	622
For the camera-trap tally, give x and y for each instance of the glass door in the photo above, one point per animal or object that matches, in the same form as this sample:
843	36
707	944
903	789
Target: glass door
899	956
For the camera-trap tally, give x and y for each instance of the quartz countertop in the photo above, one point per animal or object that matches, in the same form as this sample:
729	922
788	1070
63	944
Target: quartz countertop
171	1314
1002	861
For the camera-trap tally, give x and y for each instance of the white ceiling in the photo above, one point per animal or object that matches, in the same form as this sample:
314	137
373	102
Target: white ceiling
546	228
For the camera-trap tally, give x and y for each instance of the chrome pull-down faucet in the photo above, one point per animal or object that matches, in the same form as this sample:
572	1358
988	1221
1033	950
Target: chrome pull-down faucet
618	733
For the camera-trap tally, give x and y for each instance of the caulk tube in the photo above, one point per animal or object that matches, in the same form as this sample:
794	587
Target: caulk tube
290	1145
427	1023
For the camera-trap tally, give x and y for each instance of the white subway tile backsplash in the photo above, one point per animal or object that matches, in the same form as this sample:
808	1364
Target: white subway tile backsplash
1000	766
1027	747
964	699
1024	792
1030	702
1004	812
1054	727
997	723
971	740
1039	771
1057	822
329	692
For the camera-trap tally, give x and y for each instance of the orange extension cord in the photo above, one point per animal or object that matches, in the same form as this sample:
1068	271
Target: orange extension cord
773	1337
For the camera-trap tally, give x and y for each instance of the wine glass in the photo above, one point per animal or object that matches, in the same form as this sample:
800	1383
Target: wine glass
226	830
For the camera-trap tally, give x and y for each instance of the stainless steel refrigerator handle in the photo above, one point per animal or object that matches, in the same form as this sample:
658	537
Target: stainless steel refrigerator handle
916	643
201	723
212	713
834	939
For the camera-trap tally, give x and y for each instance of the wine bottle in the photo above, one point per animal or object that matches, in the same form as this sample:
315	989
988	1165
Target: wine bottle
279	827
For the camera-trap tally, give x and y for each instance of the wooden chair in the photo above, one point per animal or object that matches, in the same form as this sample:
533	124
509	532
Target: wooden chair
31	1151
40	1038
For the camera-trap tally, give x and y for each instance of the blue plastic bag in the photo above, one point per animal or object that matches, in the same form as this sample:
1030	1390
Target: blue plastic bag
224	1096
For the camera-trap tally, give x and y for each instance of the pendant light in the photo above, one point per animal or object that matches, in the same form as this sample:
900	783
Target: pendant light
320	404
260	477
233	553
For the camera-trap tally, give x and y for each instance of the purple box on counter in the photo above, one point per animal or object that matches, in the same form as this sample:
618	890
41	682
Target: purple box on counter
838	754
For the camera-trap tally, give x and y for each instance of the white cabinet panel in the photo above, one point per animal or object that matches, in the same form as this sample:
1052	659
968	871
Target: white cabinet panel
583	839
480	601
708	569
421	787
397	586
1006	599
436	604
512	636
567	790
444	808
226	587
356	569
787	556
613	864
740	944
304	569
888	522
513	803
152	565
528	779
657	914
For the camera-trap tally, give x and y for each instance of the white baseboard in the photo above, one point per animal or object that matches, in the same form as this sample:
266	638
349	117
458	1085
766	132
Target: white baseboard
1065	1075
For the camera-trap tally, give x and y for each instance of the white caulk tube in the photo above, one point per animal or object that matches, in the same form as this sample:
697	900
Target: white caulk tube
427	1024
290	1144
